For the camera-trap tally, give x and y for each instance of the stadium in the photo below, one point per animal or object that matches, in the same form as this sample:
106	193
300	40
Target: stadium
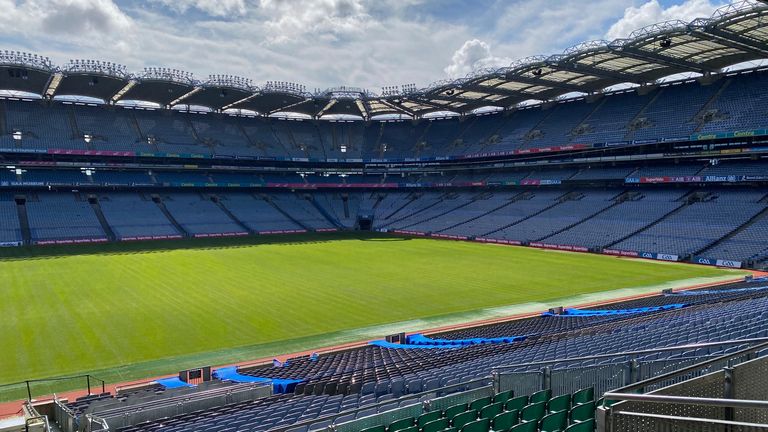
574	242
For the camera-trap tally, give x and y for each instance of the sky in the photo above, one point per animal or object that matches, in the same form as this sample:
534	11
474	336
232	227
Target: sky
324	43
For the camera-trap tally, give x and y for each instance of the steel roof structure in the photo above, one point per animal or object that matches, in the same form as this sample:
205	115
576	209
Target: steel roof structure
734	34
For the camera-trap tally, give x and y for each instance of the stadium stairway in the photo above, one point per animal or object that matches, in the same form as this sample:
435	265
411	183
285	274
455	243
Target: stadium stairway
449	210
283	212
26	234
630	131
557	202
169	216
412	199
617	201
759	216
335	222
421	210
226	211
513	199
700	116
674	211
94	202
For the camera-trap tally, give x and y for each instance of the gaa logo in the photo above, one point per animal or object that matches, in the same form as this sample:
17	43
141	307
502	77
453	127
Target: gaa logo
704	261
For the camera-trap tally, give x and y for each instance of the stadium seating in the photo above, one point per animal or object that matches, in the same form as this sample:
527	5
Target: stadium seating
57	217
10	231
673	110
133	215
353	379
199	215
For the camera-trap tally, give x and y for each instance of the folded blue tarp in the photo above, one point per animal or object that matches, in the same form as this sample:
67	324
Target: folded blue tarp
420	339
174	382
385	344
607	312
279	385
723	291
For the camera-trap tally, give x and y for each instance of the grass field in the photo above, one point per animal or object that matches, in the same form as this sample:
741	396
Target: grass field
136	310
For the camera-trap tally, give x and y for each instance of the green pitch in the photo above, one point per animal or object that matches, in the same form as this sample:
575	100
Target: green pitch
138	310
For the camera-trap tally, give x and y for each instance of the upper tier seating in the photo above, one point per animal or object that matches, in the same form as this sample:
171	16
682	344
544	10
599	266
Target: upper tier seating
675	110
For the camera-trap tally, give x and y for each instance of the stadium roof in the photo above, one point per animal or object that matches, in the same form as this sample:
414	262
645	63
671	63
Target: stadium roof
734	34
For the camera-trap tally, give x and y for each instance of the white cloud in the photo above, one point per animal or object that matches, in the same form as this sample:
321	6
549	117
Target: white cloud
653	12
216	8
474	54
319	43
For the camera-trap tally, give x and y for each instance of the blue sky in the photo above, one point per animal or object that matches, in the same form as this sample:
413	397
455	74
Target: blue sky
324	43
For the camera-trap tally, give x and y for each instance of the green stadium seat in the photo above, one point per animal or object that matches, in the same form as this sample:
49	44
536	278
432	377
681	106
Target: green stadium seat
541	396
490	411
410	429
583	396
482	425
555	422
525	427
504	421
480	403
559	403
504	396
583	412
533	412
517	403
451	411
587	426
461	419
401	424
428	417
379	428
436	425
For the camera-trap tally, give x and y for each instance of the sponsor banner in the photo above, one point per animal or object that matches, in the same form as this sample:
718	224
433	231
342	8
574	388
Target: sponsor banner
227	234
499	241
415	233
10	244
559	247
734	134
618	252
448	236
326	230
71	241
697	179
717	262
292	185
91	152
294	231
15	150
155	237
537	182
646	255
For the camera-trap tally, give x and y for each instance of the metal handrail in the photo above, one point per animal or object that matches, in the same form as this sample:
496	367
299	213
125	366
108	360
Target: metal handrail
620	392
687	400
497	369
37	417
708	422
183	398
334	416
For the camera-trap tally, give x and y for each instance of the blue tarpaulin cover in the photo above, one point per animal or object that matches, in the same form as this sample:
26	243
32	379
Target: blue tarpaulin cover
420	339
173	382
723	291
385	344
594	312
279	385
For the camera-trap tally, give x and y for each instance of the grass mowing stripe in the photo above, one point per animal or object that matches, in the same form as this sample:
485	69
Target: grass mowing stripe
133	310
